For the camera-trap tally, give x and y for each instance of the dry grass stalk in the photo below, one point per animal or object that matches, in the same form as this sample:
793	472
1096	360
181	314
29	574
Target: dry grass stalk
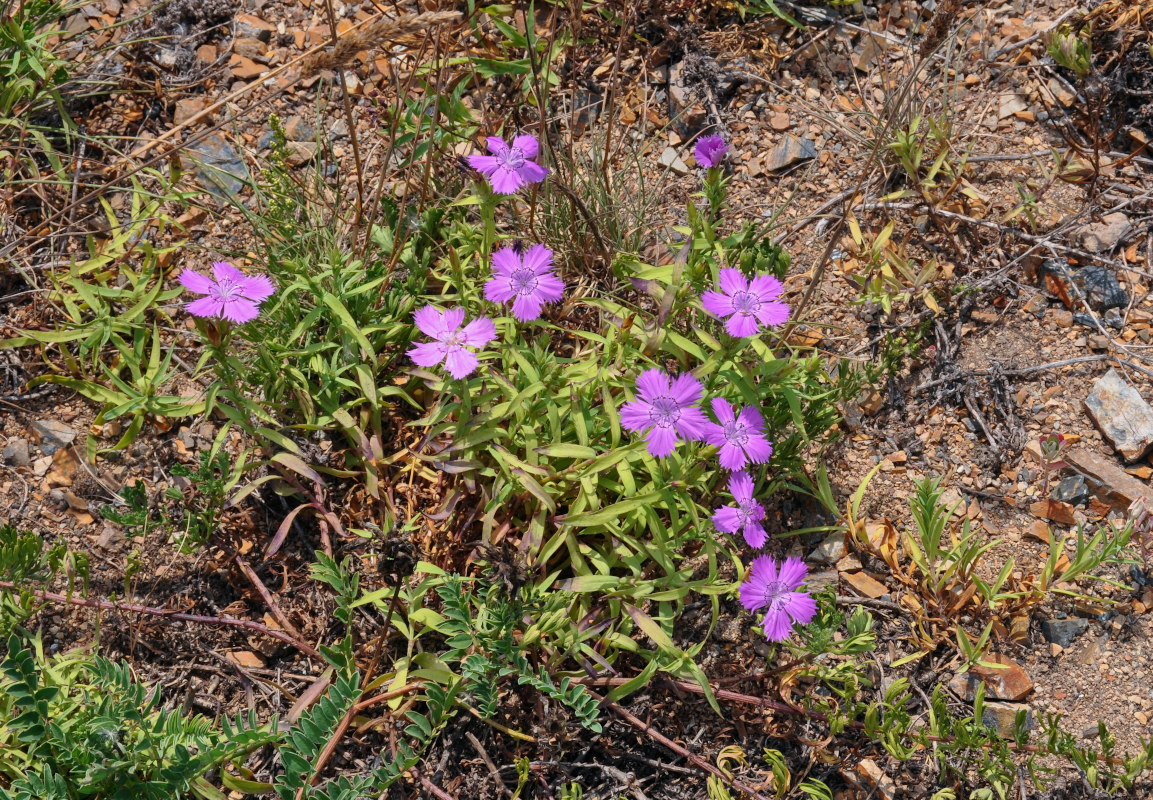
1124	13
374	36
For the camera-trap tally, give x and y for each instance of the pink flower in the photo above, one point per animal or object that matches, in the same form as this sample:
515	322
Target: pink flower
740	438
665	409
710	151
453	343
776	592
232	295
509	168
746	303
527	280
746	516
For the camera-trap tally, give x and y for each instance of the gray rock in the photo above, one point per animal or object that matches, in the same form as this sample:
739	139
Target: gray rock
1097	285
1104	235
219	167
296	129
671	159
1063	631
1123	416
53	435
1073	490
790	151
1002	717
819	580
16	453
830	550
300	153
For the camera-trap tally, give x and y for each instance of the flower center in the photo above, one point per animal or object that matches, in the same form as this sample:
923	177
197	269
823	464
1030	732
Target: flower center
736	433
746	303
226	289
513	158
456	340
524	281
664	412
774	592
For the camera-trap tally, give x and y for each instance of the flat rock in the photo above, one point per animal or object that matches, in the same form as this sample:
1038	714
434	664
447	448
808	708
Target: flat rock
300	153
1104	235
1091	282
1123	416
830	550
245	68
1108	482
1011	104
16	453
790	151
253	27
1054	511
53	435
1063	632
671	158
1073	490
865	585
219	167
1009	683
189	107
1002	717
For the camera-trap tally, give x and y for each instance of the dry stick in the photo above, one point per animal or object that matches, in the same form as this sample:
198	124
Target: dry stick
659	737
326	753
759	702
112	605
277	614
437	792
351	124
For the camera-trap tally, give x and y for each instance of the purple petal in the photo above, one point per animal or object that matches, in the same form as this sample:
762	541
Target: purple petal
777	625
758	449
635	415
257	288
479	332
538	258
732	457
485	165
714	434
652	383
754	535
741	487
773	314
732	281
504	180
717	304
427	354
528	145
793	572
460	363
726	519
722	410
238	309
526	307
499	290
750	418
495	145
686	389
661	441
765	287
206	307
223	271
505	261
741	325
762	572
195	282
532	172
692	424
450	322
800	607
550	288
430	321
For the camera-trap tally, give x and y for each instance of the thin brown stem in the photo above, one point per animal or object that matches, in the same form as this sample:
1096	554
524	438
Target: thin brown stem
351	125
135	608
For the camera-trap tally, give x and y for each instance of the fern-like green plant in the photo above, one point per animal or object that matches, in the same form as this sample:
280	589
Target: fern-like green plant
80	726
